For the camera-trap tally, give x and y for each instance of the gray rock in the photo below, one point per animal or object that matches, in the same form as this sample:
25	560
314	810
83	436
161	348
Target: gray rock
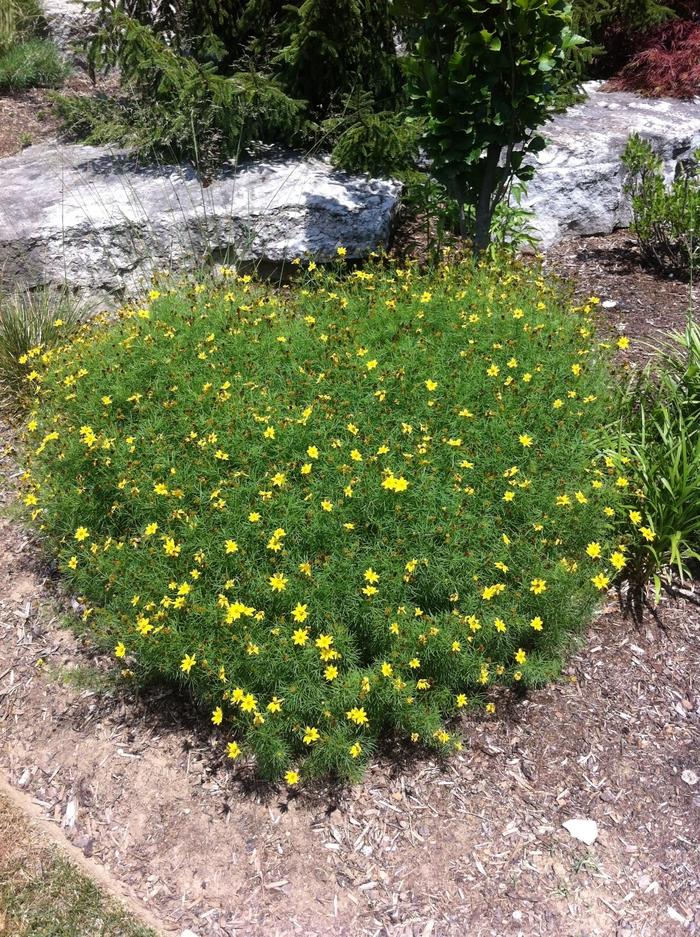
69	24
577	188
94	219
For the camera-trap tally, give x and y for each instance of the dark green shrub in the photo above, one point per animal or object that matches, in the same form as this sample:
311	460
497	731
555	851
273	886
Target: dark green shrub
333	512
665	219
485	78
203	81
177	106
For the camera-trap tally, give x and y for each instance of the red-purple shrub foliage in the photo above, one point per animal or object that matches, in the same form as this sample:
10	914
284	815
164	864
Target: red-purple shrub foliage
667	66
621	41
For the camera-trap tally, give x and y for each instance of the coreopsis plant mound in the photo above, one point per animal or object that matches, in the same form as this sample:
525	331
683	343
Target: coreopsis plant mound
333	512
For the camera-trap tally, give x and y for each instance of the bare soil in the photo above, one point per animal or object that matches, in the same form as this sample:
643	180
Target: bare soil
29	117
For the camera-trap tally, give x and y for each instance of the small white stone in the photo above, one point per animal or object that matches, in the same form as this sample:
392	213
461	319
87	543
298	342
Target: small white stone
609	304
586	831
188	933
676	916
690	777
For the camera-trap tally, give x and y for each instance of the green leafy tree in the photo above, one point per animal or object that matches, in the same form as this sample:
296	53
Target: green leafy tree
487	74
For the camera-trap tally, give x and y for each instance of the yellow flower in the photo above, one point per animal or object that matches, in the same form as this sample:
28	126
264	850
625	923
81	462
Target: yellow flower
370	575
357	715
327	505
72	562
618	560
647	533
355	749
231	546
82	533
525	440
387	670
635	517
278	582
392	483
275	705
623	342
311	735
341	251
254	517
188	662
461	700
120	650
536	623
324	641
538	586
292	778
600	581
300	612
233	750
217	716
593	550
520	656
331	672
312	452
300	636
431	385
490	708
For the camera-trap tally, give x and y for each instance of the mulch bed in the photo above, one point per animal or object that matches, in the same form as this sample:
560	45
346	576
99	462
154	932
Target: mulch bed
29	117
643	304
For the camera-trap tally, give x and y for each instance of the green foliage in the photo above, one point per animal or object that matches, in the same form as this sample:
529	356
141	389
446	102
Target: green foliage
665	219
657	452
430	203
592	17
331	512
486	75
205	80
178	107
19	20
366	139
40	320
32	64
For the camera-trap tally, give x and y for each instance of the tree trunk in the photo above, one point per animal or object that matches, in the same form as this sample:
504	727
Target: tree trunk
485	207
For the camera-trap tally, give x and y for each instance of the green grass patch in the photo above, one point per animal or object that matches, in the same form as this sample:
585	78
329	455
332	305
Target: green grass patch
332	512
35	63
30	323
59	901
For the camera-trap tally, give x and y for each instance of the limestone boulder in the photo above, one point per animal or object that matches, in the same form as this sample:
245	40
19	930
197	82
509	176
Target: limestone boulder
69	24
97	220
577	189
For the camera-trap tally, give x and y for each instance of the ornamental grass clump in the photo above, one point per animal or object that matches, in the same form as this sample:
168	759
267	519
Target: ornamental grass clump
346	509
